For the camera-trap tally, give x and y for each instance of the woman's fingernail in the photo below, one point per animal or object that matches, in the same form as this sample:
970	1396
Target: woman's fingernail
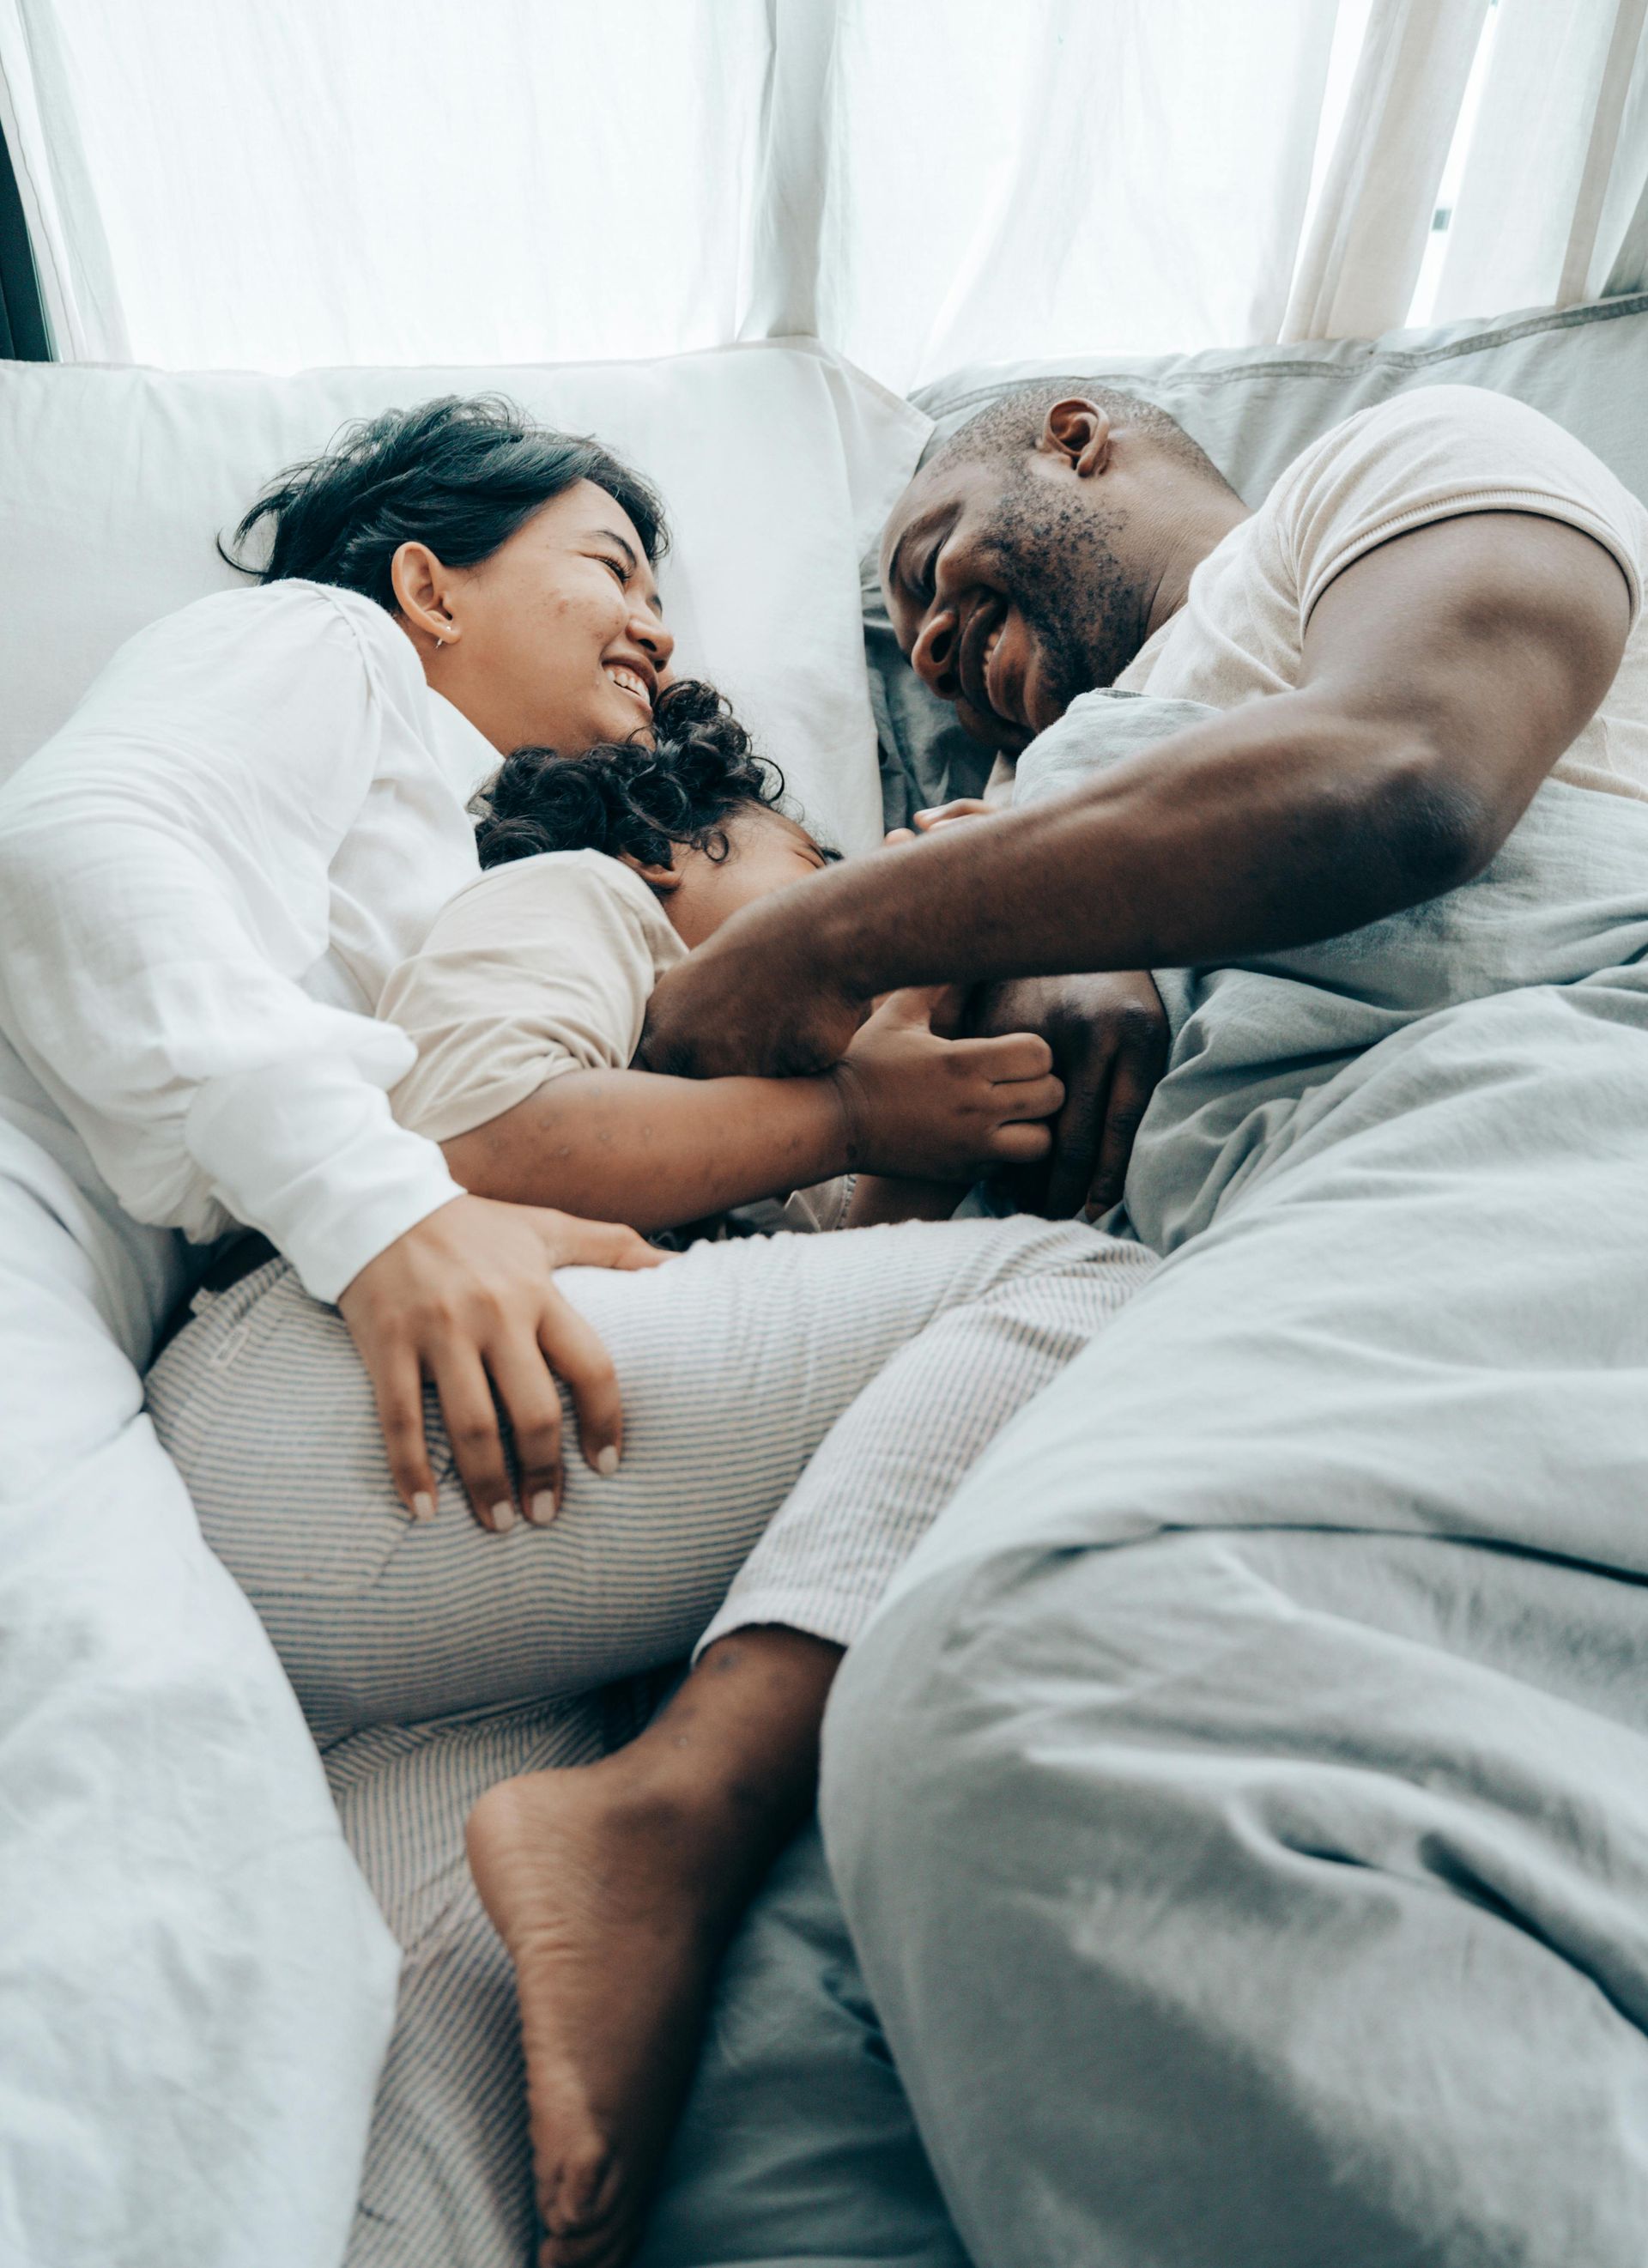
502	1518
422	1506
542	1508
606	1460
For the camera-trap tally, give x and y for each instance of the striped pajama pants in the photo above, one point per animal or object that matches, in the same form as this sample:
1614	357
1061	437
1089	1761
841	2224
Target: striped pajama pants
798	1409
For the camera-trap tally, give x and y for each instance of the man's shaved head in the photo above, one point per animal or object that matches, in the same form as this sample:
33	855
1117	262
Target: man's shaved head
1025	561
1011	426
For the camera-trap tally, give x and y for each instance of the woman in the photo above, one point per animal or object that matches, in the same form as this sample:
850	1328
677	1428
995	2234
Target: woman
256	812
253	816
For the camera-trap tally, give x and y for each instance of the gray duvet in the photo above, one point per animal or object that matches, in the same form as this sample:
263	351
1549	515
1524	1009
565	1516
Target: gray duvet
1240	1809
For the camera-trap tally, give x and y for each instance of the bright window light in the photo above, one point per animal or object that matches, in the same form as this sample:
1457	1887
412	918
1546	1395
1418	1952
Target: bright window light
1424	296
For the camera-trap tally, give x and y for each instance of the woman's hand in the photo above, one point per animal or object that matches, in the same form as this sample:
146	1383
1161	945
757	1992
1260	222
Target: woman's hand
1108	1036
466	1299
924	1107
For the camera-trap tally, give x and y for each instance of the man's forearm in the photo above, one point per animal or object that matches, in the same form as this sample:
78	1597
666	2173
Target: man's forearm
654	1153
1275	824
1442	675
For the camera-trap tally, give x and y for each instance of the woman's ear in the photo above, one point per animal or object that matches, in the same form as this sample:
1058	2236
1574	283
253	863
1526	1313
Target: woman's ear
420	583
1080	431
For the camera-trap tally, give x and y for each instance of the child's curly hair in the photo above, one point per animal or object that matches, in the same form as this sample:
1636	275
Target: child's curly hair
624	797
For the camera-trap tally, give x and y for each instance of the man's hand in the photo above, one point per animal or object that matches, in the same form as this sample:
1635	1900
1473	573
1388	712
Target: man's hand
466	1299
927	1107
740	1005
1108	1036
942	814
734	1007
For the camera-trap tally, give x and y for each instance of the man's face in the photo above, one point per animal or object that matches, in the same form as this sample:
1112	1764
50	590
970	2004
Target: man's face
1006	593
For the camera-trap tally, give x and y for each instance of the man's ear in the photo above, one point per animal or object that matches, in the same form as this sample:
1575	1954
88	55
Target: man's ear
1078	431
661	880
420	583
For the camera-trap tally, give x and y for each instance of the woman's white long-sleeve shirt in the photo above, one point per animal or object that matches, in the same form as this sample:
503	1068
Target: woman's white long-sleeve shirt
205	878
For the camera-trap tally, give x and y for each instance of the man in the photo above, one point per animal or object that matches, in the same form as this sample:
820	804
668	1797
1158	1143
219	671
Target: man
1239	1808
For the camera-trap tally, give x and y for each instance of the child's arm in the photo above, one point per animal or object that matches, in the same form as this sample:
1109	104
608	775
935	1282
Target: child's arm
658	1153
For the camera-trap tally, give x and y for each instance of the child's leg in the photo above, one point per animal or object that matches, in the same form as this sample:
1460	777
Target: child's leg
733	1361
617	1887
898	1454
649	1857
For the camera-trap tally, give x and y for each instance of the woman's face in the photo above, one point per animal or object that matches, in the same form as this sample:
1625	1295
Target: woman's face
556	641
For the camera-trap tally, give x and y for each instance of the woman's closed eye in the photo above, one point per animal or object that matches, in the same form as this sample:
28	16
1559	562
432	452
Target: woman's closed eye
621	557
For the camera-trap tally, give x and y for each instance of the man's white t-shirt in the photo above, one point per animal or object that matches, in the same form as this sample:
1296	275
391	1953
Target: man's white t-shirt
206	878
1429	455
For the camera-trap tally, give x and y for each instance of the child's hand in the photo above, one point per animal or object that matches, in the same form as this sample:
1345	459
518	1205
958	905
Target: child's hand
924	1107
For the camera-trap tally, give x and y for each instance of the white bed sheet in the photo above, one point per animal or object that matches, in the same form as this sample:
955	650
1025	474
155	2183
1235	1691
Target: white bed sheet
195	1985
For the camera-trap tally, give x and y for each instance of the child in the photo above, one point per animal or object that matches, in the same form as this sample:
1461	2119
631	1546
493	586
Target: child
814	1397
528	999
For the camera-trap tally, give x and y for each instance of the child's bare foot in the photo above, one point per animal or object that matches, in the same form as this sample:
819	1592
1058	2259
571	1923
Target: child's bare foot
594	1887
616	1886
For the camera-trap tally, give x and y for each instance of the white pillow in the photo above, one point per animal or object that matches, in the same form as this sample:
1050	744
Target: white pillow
777	462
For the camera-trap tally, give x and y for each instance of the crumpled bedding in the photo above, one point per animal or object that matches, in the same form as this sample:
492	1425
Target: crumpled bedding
1244	1781
194	1986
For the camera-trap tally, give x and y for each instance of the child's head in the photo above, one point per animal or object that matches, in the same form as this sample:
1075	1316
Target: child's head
696	814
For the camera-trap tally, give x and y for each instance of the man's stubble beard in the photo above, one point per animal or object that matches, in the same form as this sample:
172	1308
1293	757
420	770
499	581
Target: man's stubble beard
1061	567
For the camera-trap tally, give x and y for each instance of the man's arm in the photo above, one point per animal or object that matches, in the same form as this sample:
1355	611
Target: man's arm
1443	675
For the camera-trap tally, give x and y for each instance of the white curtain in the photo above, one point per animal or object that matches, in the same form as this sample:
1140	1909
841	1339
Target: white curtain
1050	176
1551	205
1366	244
921	183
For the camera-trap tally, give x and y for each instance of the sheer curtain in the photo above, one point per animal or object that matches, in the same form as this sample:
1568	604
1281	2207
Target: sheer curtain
1553	196
1048	177
918	182
1366	244
1494	155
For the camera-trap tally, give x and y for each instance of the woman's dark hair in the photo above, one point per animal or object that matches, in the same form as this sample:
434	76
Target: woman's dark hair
461	475
625	797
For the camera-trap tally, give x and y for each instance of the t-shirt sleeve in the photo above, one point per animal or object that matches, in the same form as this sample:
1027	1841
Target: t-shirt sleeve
1434	454
543	967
